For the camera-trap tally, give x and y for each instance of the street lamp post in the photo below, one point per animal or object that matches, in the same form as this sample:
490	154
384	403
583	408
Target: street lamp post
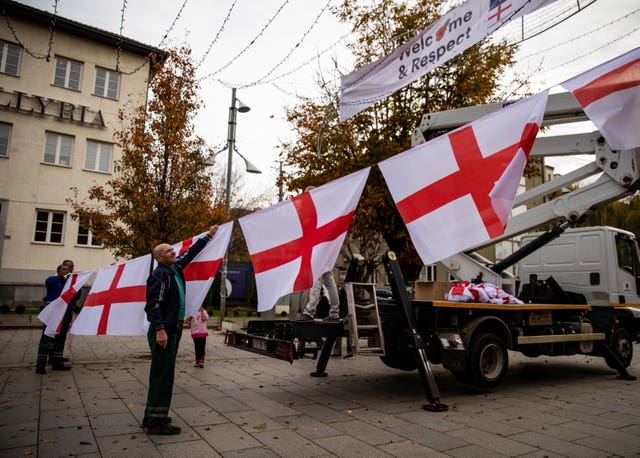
236	106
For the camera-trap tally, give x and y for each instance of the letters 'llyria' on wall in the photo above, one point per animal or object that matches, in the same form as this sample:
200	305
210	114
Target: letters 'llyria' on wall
42	106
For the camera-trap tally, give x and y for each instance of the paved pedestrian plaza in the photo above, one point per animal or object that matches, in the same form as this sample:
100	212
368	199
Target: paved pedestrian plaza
246	405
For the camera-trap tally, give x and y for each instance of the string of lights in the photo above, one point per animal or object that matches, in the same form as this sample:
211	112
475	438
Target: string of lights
29	52
52	28
215	39
119	47
225	66
264	80
304	35
592	31
582	56
166	34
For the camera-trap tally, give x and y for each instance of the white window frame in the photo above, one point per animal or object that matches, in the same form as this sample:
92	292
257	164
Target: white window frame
59	139
108	77
85	231
50	234
4	56
98	154
5	141
430	272
68	68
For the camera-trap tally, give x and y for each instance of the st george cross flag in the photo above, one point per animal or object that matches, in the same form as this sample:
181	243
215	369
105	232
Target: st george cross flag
115	304
200	273
295	241
454	32
53	313
457	190
610	96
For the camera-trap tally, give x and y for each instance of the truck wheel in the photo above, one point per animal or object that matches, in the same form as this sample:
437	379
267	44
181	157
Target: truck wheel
488	361
622	347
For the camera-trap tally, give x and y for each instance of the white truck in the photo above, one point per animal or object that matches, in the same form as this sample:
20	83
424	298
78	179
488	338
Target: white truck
580	287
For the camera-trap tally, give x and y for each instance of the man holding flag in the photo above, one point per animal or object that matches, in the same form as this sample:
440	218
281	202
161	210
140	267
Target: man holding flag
165	309
54	285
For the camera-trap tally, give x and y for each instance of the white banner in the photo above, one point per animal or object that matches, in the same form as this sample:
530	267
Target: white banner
450	35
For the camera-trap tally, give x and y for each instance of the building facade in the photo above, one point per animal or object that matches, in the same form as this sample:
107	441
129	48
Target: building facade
62	85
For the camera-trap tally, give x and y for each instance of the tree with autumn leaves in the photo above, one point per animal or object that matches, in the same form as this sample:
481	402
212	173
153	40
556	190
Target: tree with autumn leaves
325	149
160	191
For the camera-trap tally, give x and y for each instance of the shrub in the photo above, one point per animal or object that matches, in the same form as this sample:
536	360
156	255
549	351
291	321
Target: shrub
236	313
4	308
20	309
283	314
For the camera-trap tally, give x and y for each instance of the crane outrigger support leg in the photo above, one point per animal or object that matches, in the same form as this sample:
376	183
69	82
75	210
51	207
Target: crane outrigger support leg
417	343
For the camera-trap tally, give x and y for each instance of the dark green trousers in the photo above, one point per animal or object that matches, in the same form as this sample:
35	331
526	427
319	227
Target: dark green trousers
61	338
44	348
161	377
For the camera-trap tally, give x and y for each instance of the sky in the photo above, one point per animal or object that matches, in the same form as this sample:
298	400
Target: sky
295	39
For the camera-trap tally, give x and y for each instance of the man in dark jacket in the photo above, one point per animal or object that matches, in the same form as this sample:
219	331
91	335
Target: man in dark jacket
54	285
165	309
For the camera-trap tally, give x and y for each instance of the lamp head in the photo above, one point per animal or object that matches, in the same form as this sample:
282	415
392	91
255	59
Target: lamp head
242	108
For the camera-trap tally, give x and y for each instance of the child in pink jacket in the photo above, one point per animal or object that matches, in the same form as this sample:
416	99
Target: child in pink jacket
199	332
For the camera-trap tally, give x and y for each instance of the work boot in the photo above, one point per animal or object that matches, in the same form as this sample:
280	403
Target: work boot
40	370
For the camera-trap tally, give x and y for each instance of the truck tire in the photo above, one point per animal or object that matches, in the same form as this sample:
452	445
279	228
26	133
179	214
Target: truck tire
621	346
487	362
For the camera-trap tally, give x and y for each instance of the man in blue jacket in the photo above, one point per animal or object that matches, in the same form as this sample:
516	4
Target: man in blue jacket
54	285
165	309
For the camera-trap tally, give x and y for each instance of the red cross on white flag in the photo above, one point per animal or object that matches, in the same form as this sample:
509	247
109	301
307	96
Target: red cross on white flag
295	241
53	313
200	273
457	190
610	96
115	304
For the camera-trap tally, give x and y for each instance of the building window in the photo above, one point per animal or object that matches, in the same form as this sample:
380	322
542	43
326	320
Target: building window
9	58
98	156
68	73
5	138
49	226
85	236
107	83
58	149
430	272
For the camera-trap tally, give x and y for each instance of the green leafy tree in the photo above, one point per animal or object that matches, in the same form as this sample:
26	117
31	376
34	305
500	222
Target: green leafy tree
160	191
325	149
623	214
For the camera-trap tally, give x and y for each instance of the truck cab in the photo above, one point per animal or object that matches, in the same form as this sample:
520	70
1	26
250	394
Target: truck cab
600	263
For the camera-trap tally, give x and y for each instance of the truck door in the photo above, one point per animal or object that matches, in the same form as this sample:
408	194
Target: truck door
628	268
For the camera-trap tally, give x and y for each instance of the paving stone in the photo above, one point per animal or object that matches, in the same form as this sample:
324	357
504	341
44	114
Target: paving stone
559	446
67	441
309	427
18	435
227	436
129	445
289	444
411	449
247	405
54	419
427	437
192	449
113	424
